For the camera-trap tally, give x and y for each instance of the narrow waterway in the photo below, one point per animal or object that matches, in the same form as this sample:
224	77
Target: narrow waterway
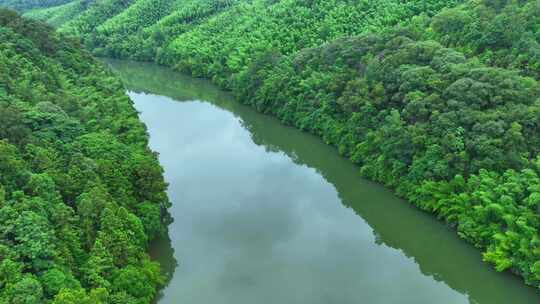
266	214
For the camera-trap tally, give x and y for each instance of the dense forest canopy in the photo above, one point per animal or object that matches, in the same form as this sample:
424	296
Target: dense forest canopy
81	195
25	5
437	99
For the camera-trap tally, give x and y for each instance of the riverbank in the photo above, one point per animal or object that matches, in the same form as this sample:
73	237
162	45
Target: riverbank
268	208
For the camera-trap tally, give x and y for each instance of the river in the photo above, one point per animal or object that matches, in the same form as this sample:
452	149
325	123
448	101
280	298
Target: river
266	214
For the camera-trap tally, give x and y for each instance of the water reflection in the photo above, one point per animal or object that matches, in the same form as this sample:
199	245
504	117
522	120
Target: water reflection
161	250
254	226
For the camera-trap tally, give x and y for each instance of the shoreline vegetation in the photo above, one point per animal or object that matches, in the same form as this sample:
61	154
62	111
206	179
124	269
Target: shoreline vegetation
81	194
439	100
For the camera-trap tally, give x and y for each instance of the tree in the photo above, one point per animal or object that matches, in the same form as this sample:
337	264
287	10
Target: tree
26	291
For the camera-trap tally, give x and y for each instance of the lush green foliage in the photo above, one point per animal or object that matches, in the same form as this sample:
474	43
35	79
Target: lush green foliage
503	33
453	136
438	99
226	45
59	15
81	195
94	14
120	32
152	27
119	29
24	5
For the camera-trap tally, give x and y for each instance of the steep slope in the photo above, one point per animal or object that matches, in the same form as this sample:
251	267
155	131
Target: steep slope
500	33
114	28
60	15
123	28
24	5
147	26
95	13
453	136
81	195
476	28
226	44
236	31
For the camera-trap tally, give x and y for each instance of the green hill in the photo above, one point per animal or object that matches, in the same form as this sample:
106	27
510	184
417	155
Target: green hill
59	15
25	5
437	99
81	195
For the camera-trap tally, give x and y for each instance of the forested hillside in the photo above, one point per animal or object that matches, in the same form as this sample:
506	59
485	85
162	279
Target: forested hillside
437	99
24	5
81	195
58	15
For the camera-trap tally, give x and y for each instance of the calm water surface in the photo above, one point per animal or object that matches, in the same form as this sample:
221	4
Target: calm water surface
266	214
